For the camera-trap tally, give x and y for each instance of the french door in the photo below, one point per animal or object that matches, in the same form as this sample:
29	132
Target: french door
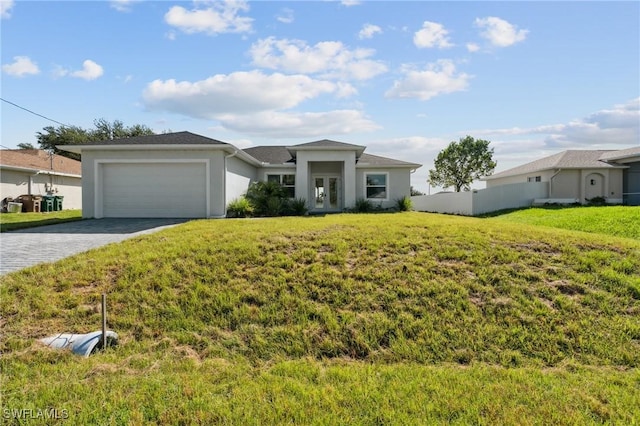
326	193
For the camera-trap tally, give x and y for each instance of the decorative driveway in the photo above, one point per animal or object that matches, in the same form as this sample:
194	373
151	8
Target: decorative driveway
27	247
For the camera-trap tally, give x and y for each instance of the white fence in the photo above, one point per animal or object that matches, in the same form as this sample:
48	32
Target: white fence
480	201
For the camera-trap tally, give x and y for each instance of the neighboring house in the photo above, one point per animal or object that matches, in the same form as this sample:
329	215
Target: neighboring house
188	175
36	172
581	175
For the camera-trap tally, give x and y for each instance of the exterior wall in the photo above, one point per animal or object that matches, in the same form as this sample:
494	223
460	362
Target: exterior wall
483	200
239	177
566	184
214	159
15	183
545	176
398	184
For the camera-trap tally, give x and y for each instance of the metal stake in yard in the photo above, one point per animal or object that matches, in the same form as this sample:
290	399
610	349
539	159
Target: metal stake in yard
104	322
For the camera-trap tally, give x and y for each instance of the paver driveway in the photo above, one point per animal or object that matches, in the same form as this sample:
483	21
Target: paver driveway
27	247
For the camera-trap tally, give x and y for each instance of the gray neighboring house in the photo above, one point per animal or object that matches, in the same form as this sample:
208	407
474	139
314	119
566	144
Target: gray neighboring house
187	175
580	175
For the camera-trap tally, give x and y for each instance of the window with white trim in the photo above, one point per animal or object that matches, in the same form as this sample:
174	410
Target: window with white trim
288	182
534	179
376	186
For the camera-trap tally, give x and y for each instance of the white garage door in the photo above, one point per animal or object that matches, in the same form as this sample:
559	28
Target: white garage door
154	190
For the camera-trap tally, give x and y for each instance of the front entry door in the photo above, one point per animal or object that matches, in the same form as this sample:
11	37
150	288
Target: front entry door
326	193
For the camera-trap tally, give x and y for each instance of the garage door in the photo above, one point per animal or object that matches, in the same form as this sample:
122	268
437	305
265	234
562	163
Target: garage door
154	190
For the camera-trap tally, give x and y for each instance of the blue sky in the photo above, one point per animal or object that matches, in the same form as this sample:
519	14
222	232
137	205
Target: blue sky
402	78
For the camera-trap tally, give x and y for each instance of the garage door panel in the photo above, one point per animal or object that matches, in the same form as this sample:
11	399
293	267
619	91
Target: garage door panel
154	190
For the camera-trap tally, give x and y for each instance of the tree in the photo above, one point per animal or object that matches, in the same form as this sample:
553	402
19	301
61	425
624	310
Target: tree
70	135
25	145
460	163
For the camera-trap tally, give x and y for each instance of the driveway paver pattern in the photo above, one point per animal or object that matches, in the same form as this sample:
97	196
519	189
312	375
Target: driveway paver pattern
27	247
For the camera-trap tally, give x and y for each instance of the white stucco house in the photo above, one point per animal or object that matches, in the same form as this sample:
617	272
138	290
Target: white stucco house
37	172
187	175
581	175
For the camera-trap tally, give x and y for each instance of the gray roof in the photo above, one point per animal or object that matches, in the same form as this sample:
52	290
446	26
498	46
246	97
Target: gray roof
621	154
281	155
270	154
327	143
376	160
571	159
179	138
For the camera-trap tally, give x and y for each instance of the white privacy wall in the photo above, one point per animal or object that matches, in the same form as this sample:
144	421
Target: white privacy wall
482	201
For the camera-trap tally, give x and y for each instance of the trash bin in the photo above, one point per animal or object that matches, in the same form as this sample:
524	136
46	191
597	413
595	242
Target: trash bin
46	205
30	203
14	207
57	202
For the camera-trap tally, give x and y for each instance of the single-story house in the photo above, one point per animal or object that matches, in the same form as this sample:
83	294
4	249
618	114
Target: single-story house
581	175
37	172
187	175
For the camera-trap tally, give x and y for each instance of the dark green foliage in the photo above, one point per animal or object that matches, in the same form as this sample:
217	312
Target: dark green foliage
460	163
596	201
74	135
363	206
404	204
240	207
270	199
266	198
296	207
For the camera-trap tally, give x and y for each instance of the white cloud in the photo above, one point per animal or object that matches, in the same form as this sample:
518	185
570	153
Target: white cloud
277	124
123	5
90	71
257	103
499	32
368	31
5	8
331	59
285	16
432	34
21	66
219	17
617	126
237	93
438	78
349	3
472	47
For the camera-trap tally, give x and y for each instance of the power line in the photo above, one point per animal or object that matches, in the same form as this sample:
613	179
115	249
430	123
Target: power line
34	113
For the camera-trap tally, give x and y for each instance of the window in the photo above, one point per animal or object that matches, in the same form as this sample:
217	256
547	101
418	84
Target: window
376	186
288	182
534	179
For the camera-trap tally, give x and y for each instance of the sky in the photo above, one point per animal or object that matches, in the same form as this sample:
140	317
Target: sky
402	78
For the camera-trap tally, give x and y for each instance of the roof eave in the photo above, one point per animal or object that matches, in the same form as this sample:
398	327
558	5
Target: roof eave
38	171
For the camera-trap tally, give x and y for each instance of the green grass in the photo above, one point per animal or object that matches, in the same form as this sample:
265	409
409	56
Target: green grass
13	221
358	319
622	221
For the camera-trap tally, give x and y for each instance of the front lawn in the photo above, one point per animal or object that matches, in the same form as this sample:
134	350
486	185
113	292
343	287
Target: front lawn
13	221
621	221
407	318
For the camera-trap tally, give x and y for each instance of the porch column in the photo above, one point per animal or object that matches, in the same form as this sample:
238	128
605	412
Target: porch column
349	174
302	178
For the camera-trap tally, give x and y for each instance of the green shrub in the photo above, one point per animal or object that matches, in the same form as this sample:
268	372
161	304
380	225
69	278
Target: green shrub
296	207
240	207
596	201
266	198
404	204
363	206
